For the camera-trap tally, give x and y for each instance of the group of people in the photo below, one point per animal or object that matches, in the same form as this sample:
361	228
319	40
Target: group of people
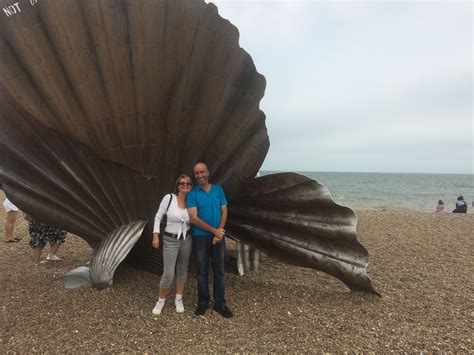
40	234
461	206
191	217
195	219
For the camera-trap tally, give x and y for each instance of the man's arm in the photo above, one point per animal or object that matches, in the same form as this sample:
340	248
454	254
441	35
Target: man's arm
223	205
223	219
193	216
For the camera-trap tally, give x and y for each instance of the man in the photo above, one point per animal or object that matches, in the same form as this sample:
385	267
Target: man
207	207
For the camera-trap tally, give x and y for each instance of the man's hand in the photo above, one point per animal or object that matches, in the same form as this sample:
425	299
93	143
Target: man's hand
155	242
218	236
219	233
216	240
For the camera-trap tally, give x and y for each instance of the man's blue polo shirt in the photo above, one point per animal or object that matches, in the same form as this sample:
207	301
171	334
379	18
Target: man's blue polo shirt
208	206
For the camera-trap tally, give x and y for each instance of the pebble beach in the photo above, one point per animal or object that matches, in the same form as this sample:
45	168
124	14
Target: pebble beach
420	262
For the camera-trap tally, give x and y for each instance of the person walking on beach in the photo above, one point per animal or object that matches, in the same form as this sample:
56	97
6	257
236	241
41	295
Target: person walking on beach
207	206
10	220
440	206
177	242
461	205
41	234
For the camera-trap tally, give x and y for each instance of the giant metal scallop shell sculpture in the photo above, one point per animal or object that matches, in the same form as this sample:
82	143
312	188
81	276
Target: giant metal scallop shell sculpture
103	103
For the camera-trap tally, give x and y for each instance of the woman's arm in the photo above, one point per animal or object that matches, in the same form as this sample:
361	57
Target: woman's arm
155	242
160	213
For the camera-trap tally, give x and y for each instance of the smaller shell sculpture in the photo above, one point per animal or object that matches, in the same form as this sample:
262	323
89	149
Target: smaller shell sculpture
104	102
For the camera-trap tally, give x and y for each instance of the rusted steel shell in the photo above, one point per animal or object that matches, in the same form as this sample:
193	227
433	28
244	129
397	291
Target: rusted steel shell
103	103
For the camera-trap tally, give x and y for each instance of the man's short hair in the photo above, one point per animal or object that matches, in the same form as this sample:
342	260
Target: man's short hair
200	162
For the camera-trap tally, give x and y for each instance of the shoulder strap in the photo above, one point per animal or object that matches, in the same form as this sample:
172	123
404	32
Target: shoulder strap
169	203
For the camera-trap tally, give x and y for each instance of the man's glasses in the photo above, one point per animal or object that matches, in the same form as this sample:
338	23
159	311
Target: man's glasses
185	183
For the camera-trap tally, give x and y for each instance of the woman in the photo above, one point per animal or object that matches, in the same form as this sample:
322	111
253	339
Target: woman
440	206
41	234
10	219
177	242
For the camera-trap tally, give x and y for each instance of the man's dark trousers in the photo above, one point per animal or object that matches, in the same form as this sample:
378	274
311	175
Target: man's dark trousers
204	249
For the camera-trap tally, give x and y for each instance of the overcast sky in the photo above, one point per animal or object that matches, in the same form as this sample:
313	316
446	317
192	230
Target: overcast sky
376	86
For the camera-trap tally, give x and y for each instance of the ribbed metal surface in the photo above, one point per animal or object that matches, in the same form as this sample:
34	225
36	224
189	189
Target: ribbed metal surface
248	258
112	251
293	218
154	85
103	103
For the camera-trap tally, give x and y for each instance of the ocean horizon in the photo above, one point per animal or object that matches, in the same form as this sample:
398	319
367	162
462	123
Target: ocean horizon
394	191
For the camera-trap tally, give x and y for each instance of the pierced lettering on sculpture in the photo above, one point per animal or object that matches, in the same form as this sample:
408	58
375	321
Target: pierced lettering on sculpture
14	9
11	10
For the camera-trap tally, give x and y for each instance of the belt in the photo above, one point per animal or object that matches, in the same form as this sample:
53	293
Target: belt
173	235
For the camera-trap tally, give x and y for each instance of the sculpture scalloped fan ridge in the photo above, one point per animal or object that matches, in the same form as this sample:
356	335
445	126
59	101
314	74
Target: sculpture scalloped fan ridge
103	103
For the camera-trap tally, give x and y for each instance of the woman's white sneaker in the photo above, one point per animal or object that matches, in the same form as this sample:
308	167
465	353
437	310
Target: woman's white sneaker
53	257
158	307
179	306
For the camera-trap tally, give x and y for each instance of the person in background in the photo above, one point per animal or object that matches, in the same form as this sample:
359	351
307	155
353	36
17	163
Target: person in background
440	206
207	206
10	220
461	205
177	242
41	234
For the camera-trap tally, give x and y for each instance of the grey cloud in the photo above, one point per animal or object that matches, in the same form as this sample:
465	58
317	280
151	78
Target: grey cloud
363	86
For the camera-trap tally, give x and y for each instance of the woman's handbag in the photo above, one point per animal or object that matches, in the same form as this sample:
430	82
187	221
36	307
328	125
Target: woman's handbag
164	219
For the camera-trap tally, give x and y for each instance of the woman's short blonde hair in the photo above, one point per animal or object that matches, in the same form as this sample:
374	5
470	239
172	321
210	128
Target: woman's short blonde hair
183	176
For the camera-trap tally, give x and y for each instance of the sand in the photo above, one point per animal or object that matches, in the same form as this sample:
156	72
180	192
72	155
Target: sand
421	263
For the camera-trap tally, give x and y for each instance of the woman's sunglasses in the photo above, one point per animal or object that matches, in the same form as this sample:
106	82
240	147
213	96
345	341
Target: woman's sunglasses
185	183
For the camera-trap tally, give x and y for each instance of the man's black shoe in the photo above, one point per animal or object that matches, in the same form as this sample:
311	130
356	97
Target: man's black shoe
201	310
224	311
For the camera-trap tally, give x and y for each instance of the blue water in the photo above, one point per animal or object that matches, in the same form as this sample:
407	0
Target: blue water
396	191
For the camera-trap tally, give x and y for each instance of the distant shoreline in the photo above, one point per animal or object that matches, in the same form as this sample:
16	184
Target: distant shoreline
394	191
304	172
408	210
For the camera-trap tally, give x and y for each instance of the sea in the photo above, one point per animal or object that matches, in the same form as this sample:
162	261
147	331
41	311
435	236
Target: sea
395	191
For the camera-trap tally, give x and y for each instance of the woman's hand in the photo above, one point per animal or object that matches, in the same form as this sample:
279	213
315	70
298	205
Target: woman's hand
155	242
